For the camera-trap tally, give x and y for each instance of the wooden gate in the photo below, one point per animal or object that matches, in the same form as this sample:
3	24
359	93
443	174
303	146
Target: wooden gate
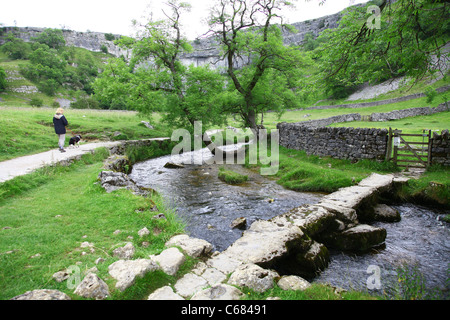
410	150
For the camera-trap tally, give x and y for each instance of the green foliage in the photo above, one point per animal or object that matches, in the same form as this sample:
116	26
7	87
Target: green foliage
271	74
110	37
15	49
51	69
36	102
155	150
53	38
430	93
413	286
410	33
2	79
183	94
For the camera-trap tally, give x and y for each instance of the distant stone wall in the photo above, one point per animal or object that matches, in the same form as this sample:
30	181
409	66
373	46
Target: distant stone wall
378	103
340	143
327	121
440	149
412	112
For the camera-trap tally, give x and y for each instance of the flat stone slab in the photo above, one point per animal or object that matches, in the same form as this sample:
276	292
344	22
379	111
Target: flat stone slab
263	242
190	284
219	292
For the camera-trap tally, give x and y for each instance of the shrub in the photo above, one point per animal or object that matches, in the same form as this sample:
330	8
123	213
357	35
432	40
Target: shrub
36	102
110	37
430	93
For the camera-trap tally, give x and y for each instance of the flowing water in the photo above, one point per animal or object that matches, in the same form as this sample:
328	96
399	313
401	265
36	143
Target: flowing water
208	206
419	241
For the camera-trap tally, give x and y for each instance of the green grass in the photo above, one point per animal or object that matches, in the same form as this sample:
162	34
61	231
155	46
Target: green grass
231	177
314	292
433	187
301	172
63	208
25	131
435	122
271	119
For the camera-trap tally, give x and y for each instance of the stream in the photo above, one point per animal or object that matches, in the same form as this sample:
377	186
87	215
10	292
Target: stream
208	206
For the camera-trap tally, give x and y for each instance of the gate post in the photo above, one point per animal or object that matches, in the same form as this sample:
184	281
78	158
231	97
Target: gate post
396	144
389	146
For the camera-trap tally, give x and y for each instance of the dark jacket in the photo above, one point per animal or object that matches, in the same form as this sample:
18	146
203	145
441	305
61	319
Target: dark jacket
60	123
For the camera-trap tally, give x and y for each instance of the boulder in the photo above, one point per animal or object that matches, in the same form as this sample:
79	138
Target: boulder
169	260
386	213
118	163
43	294
360	238
310	262
219	292
293	283
143	232
112	181
253	277
171	165
92	287
126	271
125	252
239	223
192	246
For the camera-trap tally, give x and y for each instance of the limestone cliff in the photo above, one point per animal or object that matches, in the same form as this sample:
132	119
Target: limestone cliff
205	50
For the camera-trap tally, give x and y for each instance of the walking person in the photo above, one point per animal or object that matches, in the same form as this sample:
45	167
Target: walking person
60	123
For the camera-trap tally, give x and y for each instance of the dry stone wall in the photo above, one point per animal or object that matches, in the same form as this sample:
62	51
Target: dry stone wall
440	149
340	143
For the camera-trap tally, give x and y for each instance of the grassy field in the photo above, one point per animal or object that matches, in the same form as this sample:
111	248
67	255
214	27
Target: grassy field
42	228
271	119
25	131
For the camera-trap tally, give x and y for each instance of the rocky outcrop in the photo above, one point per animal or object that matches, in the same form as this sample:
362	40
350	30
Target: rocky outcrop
112	181
92	41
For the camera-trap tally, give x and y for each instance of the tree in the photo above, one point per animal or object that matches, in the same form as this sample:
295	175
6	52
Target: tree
407	42
263	73
157	79
16	48
53	38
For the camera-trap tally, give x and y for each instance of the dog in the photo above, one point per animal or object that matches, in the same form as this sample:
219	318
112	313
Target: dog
75	141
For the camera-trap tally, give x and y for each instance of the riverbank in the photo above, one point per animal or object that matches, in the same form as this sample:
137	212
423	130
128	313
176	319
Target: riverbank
49	214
